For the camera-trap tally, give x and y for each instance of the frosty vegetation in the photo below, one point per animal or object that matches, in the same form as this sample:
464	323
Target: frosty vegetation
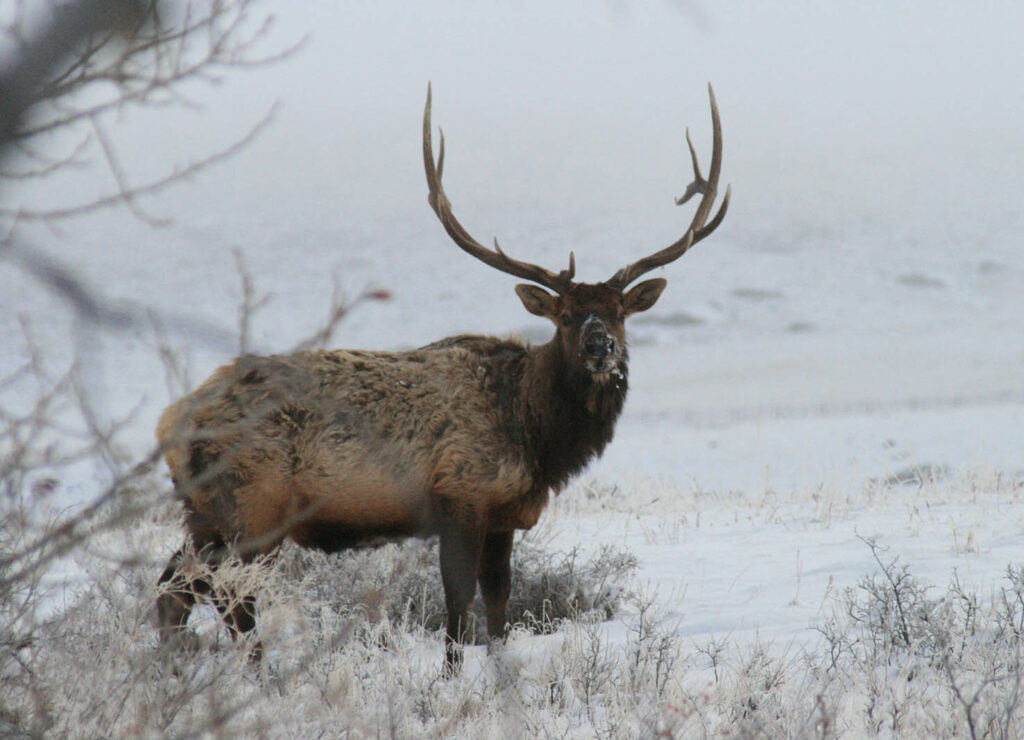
354	648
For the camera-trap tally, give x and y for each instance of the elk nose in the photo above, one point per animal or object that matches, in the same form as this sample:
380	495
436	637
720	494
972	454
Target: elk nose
598	346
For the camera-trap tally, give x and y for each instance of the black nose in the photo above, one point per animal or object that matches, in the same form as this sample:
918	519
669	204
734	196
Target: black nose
598	346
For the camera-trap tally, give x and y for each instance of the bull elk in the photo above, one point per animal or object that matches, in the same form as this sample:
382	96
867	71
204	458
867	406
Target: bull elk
463	438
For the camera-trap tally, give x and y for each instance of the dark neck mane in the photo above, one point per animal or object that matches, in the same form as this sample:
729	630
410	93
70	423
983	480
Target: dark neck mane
569	416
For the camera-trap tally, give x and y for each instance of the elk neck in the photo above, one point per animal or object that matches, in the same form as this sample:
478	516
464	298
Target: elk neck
568	414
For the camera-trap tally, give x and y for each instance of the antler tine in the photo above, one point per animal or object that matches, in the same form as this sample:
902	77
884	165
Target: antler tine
698	229
699	184
496	258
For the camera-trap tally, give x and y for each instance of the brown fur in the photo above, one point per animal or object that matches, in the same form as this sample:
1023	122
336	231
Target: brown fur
366	439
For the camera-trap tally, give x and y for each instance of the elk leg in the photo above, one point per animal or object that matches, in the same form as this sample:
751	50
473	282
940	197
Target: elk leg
495	578
239	614
178	595
238	610
460	557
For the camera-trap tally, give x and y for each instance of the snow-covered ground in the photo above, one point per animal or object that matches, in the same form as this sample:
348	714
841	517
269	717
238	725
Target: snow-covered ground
857	316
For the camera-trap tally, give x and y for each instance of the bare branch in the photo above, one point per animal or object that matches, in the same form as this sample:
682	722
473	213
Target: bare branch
124	188
72	22
249	304
160	49
128	193
96	310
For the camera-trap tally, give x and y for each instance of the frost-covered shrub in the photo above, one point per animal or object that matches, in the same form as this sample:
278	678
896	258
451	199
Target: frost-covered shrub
890	615
904	651
549	588
350	651
402	583
332	663
949	667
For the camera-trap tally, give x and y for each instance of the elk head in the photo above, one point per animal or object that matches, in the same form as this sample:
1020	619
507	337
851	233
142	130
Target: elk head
590	318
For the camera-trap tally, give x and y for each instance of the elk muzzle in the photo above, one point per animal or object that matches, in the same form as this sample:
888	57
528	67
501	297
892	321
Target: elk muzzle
598	347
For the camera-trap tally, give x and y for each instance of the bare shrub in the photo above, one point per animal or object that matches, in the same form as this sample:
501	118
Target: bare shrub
550	588
400	583
904	651
894	616
102	59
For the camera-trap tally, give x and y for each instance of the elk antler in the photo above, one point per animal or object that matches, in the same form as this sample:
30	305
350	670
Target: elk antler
496	258
708	190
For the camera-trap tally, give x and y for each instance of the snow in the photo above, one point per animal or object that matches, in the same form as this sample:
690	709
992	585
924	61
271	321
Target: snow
858	315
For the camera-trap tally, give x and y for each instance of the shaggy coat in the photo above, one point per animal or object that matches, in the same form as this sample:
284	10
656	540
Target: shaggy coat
353	447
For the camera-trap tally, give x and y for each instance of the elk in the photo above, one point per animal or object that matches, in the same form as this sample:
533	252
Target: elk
464	438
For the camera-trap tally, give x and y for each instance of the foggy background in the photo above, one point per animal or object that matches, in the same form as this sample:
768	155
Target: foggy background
871	255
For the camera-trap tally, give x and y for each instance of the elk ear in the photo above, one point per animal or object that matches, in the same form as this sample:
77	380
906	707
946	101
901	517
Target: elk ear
536	300
643	296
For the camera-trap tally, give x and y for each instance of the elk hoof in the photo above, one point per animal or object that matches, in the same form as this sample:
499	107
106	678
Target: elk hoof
452	660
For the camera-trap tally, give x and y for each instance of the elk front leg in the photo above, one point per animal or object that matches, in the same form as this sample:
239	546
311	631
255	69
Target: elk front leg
495	578
460	557
175	601
180	586
239	614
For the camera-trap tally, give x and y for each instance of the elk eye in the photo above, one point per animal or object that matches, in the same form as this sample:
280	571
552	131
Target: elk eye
566	319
